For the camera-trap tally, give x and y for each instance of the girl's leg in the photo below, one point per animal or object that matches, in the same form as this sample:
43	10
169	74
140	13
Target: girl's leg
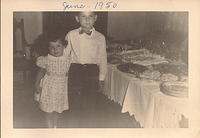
49	119
55	119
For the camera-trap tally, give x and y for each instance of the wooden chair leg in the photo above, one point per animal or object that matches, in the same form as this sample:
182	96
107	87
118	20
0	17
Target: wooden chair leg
24	76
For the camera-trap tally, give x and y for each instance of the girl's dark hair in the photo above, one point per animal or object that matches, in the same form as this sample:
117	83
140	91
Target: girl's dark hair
54	38
41	44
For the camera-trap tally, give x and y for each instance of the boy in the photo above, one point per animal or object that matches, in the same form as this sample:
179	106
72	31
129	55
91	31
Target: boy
89	63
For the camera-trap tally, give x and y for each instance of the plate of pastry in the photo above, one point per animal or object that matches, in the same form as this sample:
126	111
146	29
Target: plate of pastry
114	60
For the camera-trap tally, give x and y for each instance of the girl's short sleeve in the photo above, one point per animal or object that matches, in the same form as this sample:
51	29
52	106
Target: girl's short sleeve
41	62
67	52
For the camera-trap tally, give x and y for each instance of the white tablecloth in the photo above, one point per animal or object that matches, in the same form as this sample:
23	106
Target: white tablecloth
144	100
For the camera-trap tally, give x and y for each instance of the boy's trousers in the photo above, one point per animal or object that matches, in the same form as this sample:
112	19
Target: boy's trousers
83	87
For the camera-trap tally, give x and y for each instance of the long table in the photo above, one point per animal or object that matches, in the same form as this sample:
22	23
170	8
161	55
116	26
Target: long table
144	100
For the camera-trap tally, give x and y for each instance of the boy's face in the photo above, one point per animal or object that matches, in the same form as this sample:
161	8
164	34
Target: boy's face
86	19
56	48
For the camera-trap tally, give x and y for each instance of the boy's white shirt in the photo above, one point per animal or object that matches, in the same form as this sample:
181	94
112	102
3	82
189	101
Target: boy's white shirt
85	49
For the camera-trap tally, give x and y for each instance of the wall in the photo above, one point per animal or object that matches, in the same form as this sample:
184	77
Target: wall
130	25
121	25
126	25
32	24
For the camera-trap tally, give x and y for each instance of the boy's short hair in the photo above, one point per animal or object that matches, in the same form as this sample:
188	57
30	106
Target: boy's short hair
78	13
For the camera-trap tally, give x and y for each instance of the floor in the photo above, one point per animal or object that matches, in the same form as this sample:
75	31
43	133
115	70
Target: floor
28	115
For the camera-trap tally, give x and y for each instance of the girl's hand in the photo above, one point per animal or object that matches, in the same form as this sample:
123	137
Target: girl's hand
38	88
40	74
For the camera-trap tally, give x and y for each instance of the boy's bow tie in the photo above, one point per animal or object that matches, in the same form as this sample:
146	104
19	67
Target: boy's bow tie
88	33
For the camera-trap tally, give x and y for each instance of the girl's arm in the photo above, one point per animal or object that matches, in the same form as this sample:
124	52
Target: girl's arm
41	62
40	74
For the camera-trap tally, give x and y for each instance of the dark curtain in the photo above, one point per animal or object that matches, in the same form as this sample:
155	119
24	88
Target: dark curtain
60	23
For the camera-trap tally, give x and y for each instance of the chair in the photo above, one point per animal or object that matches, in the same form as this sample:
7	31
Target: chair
20	61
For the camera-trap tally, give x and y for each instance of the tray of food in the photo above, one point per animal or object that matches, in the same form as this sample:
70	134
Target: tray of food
176	69
168	77
151	75
118	47
132	68
132	53
146	60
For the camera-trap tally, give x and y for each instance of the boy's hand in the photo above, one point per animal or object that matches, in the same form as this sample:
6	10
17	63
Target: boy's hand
101	86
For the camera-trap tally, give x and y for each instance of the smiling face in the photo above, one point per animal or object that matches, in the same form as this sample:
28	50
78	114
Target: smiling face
56	48
86	20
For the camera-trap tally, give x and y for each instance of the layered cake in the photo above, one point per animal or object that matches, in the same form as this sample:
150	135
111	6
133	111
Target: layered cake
177	89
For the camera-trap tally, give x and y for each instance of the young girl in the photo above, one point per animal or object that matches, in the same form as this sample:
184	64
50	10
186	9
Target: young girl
52	88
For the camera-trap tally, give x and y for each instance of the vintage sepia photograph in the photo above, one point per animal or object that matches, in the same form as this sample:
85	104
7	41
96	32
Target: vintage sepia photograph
103	69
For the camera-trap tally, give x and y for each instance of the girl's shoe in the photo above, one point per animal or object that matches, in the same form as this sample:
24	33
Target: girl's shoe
50	124
55	126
